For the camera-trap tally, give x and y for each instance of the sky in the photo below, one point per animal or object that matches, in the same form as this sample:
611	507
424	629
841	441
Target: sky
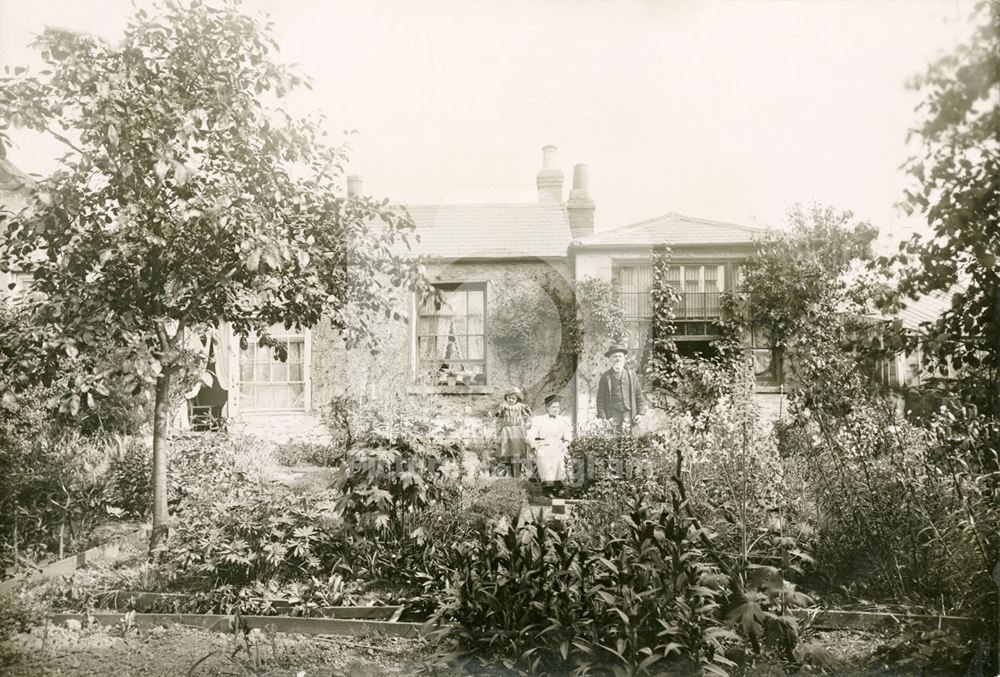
728	110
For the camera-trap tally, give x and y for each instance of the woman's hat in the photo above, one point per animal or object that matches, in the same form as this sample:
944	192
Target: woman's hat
552	398
616	348
516	392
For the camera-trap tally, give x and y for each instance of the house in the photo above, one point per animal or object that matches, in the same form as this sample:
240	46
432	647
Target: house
484	257
13	196
496	267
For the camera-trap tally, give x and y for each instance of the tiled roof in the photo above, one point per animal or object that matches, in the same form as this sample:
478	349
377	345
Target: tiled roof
927	308
490	230
672	229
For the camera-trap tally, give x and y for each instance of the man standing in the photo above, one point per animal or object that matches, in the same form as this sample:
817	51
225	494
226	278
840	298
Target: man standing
619	397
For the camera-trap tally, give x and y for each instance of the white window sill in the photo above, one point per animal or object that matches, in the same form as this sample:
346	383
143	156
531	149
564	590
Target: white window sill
768	389
450	390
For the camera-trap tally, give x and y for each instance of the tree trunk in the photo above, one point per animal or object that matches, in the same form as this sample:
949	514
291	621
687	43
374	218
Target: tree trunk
994	395
160	415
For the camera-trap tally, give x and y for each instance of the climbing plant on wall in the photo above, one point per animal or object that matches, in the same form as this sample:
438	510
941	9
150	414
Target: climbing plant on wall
600	321
692	384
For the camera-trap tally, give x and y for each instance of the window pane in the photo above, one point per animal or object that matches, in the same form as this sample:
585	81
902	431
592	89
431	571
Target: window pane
476	347
427	325
477	300
691	278
451	335
711	276
674	276
264	378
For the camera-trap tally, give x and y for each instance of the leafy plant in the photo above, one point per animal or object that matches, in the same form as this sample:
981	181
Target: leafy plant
540	601
308	453
931	652
252	534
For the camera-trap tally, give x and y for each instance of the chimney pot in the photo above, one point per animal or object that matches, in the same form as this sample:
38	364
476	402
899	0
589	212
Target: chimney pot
355	186
549	157
550	178
580	207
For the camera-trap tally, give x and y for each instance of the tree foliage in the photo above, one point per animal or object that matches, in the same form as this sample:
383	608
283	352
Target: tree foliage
188	195
808	295
955	187
799	275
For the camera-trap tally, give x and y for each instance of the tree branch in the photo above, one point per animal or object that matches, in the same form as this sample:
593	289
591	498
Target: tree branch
59	137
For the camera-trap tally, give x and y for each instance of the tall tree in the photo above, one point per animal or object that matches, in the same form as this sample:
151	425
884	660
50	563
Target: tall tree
957	188
188	196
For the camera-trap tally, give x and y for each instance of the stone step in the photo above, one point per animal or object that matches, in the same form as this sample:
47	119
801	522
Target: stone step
556	511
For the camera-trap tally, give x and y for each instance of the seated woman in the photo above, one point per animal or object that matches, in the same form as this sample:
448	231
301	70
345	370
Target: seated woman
550	435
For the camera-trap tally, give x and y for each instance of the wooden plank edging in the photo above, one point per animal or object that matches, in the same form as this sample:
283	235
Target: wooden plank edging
283	624
107	552
874	620
114	599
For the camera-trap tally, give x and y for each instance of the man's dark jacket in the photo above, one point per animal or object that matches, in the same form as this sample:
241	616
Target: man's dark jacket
632	393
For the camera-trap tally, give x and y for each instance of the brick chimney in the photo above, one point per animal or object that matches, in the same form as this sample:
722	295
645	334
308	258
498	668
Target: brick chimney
355	186
579	207
550	178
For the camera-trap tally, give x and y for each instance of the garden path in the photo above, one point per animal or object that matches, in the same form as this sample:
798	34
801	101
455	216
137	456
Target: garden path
172	651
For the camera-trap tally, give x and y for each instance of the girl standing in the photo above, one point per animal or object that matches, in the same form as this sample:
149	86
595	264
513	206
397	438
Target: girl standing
512	420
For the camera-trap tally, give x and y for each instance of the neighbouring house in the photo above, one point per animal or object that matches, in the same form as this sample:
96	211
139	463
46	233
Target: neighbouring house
920	385
13	196
506	274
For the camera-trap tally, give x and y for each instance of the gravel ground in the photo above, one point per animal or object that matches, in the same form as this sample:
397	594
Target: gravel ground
172	651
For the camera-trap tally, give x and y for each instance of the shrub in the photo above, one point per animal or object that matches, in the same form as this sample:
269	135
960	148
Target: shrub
940	651
383	486
598	455
130	476
735	484
16	616
904	510
308	453
248	533
56	492
540	601
207	462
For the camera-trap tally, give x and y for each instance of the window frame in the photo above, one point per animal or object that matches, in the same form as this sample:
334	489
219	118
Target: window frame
23	283
725	283
416	363
306	336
